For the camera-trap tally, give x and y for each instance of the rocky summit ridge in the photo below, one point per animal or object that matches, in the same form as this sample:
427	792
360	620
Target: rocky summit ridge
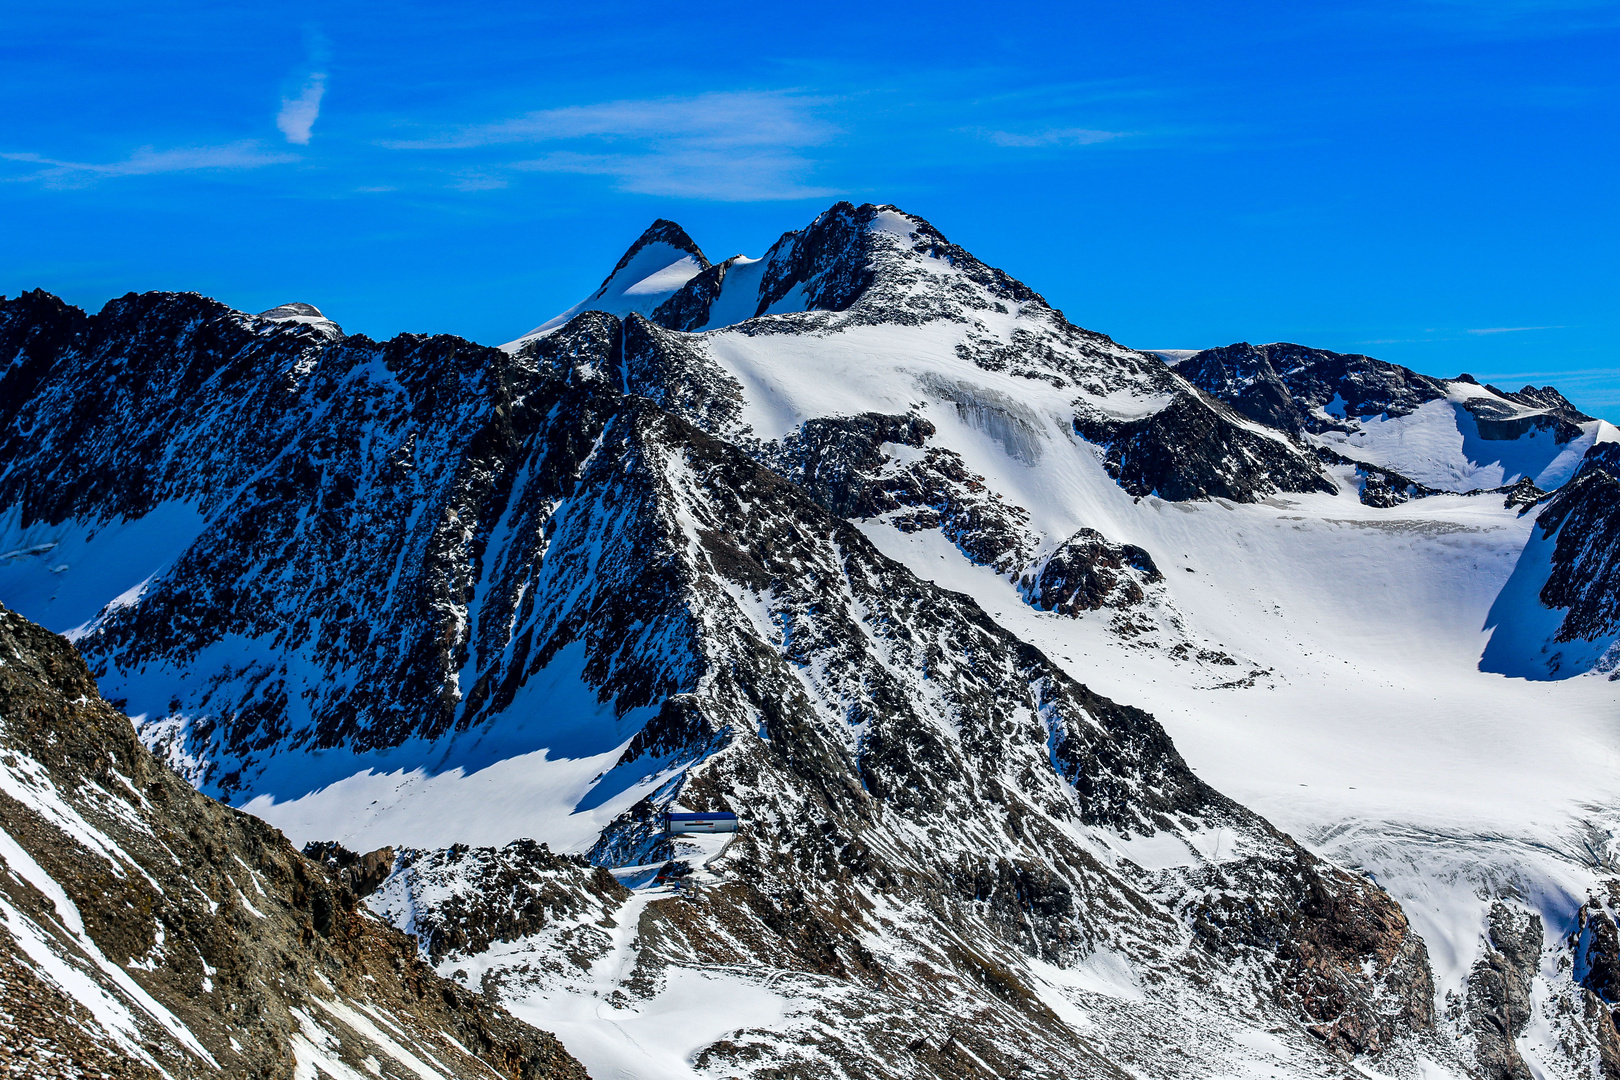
866	543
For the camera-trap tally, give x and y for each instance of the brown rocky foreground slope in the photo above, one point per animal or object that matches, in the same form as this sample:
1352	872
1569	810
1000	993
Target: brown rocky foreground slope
146	929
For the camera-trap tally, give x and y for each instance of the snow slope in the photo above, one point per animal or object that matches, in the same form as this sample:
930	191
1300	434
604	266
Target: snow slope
1441	445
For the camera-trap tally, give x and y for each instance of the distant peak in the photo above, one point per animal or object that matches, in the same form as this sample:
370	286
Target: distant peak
662	231
661	261
292	311
307	314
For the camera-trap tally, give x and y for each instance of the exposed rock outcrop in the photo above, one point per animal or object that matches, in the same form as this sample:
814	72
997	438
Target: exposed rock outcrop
1087	572
1294	388
1583	520
461	900
1190	450
1499	991
146	930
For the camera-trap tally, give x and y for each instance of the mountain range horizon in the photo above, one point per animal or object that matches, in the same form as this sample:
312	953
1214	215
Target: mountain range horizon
663	225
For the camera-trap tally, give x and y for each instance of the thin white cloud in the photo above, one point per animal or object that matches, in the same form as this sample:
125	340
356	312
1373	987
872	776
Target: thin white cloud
1509	329
691	173
298	115
720	120
1071	136
147	161
733	146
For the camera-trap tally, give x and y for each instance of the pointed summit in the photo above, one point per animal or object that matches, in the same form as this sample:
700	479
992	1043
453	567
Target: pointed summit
662	259
891	263
662	233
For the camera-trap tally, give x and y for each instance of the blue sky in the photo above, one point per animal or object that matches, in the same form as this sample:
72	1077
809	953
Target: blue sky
1432	181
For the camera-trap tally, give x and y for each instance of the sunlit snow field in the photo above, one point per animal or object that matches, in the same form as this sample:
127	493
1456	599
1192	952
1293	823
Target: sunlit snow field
1372	736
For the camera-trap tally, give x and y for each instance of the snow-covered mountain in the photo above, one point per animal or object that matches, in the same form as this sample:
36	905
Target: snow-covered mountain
1439	435
655	268
865	542
305	314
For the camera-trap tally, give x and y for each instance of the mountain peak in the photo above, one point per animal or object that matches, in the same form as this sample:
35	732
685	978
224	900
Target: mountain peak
654	268
307	314
661	232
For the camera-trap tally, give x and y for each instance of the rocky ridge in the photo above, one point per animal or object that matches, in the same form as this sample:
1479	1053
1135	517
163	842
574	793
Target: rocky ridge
1333	401
149	931
1573	573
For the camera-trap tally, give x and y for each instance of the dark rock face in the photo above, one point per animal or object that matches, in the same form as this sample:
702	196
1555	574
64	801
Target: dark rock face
1522	493
689	308
1597	950
838	460
99	399
1594	956
371	474
489	895
1297	389
1322	921
1281	385
1245	378
1499	1003
667	369
246	949
832	259
1501	422
833	263
1385	487
360	874
1545	397
1584	516
1188	450
841	463
1087	572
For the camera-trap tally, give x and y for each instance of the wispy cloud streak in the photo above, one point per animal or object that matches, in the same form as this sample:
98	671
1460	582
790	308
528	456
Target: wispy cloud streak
1069	136
147	161
297	116
734	146
721	120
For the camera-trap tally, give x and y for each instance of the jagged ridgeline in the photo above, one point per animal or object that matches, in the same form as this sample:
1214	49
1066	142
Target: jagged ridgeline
462	601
